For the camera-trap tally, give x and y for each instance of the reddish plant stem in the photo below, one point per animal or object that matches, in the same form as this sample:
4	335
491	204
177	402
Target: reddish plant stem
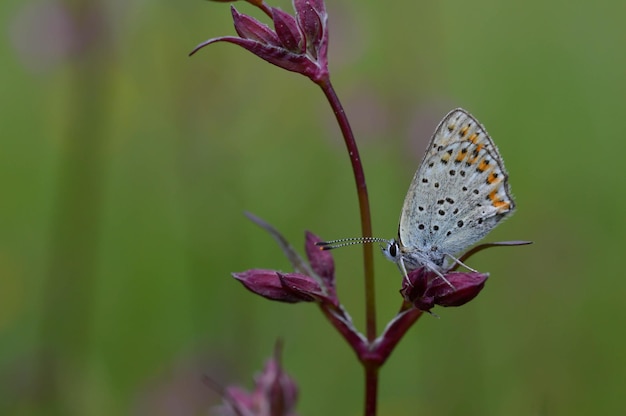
371	368
343	325
394	333
371	388
263	6
364	207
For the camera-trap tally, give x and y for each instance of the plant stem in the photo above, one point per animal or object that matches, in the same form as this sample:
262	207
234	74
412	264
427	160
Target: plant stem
371	368
263	6
364	206
371	389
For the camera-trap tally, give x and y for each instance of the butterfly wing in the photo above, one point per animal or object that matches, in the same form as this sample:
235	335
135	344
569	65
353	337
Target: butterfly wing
459	193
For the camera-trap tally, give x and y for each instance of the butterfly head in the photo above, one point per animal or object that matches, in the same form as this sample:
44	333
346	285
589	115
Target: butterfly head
392	251
409	259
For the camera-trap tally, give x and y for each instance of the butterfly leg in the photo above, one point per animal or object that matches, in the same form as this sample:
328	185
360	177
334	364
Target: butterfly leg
432	269
460	263
439	274
402	268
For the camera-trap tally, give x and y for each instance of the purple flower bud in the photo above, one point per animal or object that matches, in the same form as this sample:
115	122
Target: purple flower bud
466	287
307	288
414	290
428	289
274	384
249	28
285	287
313	281
281	287
288	31
275	394
297	44
312	18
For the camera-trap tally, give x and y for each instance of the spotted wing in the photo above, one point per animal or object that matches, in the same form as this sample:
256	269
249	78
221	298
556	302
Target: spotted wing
460	191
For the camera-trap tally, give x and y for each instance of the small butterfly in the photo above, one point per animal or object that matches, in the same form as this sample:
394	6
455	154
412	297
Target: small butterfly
458	195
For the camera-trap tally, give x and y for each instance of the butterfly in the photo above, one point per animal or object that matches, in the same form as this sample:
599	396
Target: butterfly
459	193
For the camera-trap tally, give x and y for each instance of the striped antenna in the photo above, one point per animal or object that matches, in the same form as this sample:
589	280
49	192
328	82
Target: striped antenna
329	245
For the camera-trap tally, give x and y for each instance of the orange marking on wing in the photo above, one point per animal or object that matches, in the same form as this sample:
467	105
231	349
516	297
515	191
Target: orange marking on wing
473	138
498	203
460	156
463	131
445	158
472	160
492	178
502	205
482	166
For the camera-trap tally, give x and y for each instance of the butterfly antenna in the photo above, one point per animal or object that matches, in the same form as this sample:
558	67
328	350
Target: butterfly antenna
329	245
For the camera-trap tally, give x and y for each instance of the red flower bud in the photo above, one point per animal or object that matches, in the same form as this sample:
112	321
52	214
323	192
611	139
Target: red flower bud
275	393
288	31
427	289
275	286
249	28
298	44
466	287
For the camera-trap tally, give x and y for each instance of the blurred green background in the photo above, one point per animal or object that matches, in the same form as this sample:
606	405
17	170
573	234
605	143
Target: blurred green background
126	167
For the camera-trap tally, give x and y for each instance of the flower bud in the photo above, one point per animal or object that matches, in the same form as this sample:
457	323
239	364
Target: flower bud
426	289
298	44
275	393
281	287
466	287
